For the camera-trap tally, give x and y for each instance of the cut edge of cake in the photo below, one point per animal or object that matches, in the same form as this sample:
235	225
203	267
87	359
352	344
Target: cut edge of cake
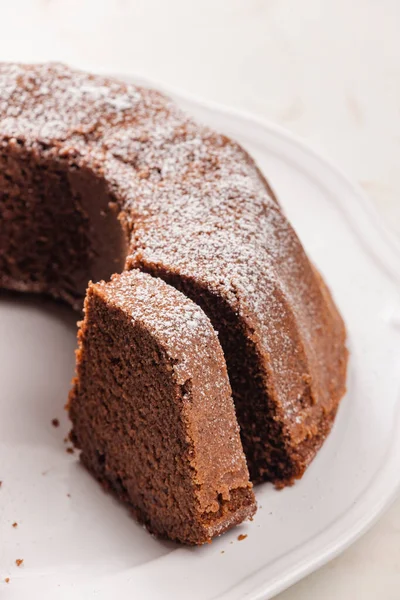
152	410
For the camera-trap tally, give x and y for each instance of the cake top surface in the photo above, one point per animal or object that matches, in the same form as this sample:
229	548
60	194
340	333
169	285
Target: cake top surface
165	169
180	326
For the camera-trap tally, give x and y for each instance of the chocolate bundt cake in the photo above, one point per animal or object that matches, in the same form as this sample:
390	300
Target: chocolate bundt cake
97	177
152	409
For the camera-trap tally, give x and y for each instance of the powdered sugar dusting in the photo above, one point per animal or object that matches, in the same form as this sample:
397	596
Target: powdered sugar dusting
177	322
196	206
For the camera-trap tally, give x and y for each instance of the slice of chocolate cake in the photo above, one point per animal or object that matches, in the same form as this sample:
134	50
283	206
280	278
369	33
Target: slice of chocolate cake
152	410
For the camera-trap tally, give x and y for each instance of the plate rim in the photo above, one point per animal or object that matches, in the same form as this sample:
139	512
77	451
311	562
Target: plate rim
385	485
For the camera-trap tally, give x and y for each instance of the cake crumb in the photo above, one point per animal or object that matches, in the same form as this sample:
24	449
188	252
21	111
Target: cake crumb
55	422
66	439
69	495
15	524
19	561
242	536
7	580
222	551
1	483
70	450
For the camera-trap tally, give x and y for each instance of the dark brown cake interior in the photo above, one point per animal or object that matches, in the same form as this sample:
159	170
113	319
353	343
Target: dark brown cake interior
59	226
261	433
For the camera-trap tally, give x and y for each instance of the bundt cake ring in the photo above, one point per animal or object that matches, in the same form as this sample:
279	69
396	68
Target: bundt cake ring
204	306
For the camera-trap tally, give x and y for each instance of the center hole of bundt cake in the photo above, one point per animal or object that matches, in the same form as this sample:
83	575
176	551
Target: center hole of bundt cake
60	226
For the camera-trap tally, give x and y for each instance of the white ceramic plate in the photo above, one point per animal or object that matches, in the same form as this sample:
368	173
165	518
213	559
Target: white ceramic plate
78	542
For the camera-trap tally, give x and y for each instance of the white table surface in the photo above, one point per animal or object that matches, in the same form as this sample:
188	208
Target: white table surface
329	70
